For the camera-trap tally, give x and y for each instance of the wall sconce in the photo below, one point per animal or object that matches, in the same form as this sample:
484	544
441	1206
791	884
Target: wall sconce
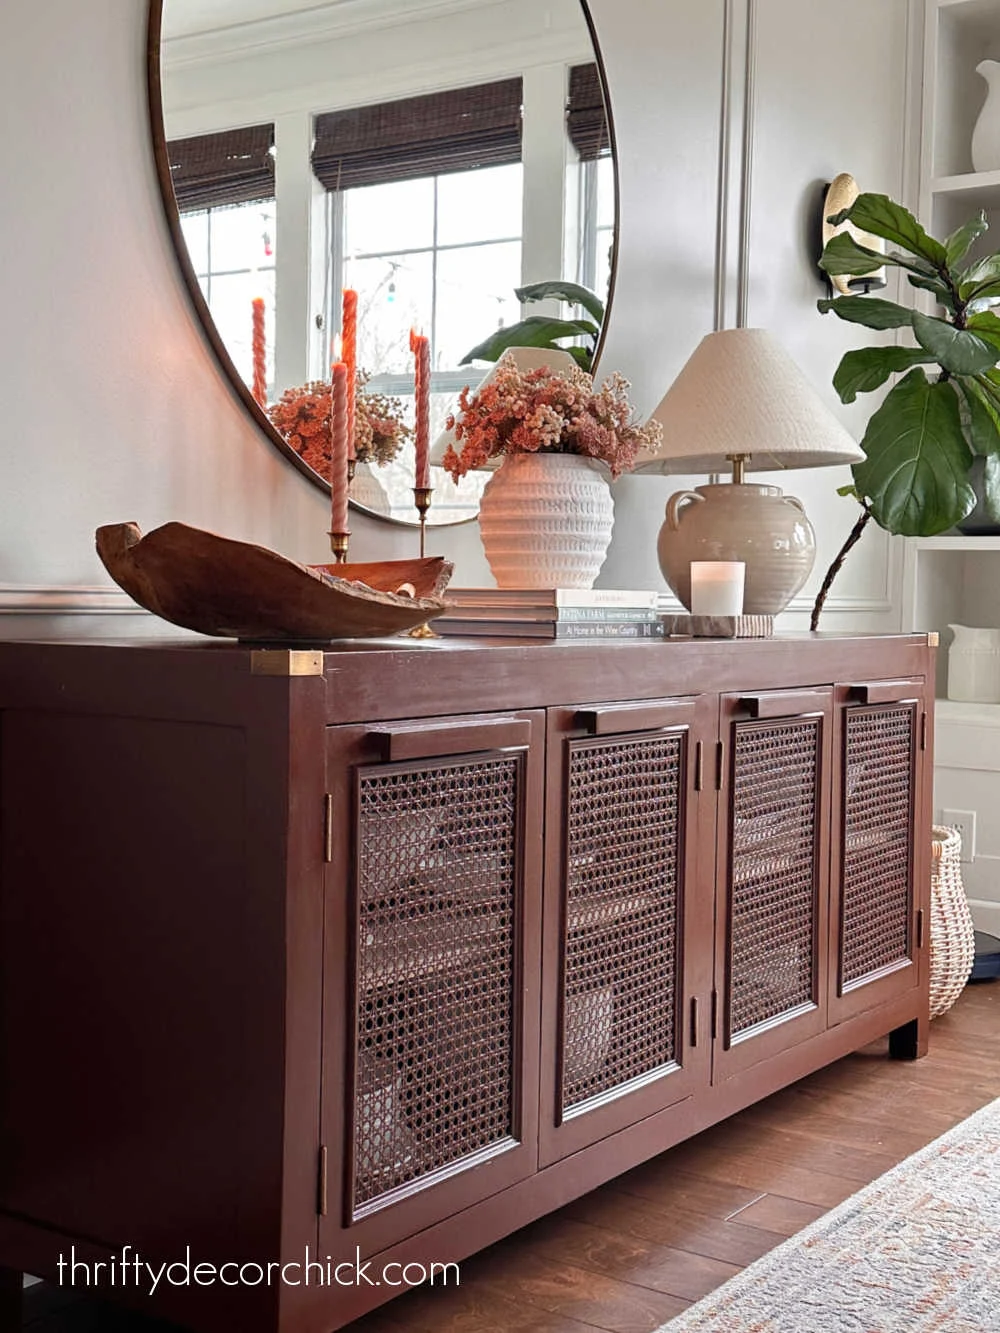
840	194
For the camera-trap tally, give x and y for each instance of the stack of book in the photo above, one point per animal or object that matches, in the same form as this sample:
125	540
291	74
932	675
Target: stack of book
552	613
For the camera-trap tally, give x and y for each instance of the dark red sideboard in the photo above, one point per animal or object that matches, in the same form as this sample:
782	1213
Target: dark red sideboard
389	949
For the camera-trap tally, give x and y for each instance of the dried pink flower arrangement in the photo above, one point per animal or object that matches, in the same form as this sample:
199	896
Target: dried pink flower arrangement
539	411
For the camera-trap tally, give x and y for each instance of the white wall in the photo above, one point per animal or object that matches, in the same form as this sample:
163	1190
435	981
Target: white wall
115	409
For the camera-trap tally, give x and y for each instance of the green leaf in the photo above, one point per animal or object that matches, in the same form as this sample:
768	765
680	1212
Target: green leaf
865	368
958	244
868	310
917	460
988	389
536	331
851	491
940	289
980	419
881	216
563	291
983	270
842	256
987	325
956	350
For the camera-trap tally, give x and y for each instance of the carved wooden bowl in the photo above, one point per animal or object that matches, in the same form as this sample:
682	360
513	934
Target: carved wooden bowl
234	589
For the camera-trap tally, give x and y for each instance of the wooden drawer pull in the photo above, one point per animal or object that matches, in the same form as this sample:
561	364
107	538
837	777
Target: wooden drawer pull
884	691
417	740
785	703
605	719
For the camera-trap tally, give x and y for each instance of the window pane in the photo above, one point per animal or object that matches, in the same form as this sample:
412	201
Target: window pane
602	267
397	216
195	229
480	205
232	310
605	191
394	295
475	297
242	237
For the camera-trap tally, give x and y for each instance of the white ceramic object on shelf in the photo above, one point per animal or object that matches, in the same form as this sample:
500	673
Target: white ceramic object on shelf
986	135
974	665
545	521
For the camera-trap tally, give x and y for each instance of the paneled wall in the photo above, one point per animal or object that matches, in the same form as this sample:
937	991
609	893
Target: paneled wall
115	409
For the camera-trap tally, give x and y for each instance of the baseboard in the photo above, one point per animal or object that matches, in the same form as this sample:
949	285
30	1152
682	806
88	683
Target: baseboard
28	599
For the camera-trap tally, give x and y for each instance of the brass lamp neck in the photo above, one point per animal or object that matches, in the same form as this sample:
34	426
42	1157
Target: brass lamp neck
739	462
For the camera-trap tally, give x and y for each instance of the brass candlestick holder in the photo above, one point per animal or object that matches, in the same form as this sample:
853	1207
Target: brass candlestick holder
339	542
422	499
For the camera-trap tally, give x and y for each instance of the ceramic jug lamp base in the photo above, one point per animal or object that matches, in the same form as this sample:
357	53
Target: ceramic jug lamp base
759	525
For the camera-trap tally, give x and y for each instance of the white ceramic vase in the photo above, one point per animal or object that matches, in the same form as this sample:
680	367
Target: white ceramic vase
986	135
974	665
545	521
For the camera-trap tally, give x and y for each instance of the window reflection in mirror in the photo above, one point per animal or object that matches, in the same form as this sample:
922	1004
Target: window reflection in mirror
432	227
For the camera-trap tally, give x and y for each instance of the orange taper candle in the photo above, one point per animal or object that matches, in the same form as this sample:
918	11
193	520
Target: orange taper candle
349	335
259	347
420	345
338	446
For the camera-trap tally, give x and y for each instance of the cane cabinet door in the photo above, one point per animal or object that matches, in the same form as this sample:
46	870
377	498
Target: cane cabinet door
628	915
773	855
877	851
430	1063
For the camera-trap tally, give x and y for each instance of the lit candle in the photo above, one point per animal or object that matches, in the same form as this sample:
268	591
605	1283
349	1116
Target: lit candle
421	347
717	587
338	446
349	336
259	348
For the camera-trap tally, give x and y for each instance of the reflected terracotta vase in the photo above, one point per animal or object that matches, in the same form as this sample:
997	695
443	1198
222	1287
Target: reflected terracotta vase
545	521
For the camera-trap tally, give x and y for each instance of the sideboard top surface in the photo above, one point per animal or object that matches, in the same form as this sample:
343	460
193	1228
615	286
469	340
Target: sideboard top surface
362	680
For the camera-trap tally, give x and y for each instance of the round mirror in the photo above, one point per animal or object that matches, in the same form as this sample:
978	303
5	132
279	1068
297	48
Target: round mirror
432	158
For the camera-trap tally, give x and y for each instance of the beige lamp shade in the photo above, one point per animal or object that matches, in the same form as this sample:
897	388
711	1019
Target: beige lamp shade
525	358
742	394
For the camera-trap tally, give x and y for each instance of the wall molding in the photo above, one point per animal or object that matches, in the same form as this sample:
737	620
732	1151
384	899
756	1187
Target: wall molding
747	164
27	599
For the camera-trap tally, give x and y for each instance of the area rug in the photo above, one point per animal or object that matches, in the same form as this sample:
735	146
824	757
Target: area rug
916	1251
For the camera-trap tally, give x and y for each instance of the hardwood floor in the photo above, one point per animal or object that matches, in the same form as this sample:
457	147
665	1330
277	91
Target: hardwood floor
636	1252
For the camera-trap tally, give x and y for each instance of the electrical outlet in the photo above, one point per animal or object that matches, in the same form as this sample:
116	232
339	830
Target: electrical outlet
965	822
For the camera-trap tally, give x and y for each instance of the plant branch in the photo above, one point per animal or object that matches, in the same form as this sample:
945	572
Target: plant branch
853	537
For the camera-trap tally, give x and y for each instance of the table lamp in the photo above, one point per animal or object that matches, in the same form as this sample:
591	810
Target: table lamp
741	402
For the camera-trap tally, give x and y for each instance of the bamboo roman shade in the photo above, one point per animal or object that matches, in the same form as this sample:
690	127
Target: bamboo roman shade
586	120
214	170
419	136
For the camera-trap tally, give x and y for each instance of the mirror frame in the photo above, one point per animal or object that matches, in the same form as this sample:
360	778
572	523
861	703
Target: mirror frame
154	92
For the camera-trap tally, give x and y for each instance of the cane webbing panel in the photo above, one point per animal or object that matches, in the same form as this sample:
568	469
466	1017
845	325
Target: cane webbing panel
435	1024
773	874
878	838
623	861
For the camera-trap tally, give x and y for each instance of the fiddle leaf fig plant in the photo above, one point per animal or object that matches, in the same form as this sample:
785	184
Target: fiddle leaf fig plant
944	411
547	331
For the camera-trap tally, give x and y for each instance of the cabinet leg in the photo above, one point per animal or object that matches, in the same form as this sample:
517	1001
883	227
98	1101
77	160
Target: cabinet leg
11	1287
910	1041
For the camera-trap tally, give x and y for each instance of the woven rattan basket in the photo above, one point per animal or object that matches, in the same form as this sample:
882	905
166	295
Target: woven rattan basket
953	942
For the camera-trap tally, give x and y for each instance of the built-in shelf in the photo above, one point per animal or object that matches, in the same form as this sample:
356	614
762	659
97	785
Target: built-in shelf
950	711
956	542
970	184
